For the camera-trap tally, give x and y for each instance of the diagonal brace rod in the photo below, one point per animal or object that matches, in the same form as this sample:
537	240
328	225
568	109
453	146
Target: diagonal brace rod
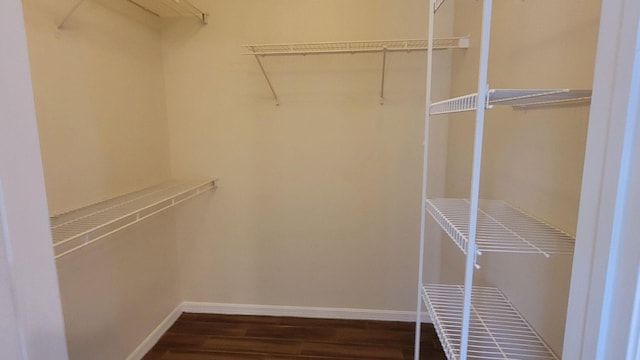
71	12
275	96
384	66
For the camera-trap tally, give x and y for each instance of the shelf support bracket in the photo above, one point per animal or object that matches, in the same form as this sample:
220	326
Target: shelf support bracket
275	96
69	14
384	66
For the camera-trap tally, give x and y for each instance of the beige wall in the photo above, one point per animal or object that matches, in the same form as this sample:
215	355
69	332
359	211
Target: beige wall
532	159
100	104
116	291
99	99
318	202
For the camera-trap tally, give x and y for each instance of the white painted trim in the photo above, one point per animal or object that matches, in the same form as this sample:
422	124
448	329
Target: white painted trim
26	234
156	334
301	311
601	251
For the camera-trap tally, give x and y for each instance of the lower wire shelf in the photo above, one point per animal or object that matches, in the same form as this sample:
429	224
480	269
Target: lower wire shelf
497	330
501	228
76	229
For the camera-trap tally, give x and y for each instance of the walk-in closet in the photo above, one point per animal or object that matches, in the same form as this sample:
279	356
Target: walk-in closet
363	179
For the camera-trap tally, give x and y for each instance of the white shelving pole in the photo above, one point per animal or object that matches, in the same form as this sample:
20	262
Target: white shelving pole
483	89
425	166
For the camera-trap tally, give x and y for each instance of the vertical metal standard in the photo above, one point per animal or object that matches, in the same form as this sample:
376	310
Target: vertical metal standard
66	17
425	163
384	66
275	96
483	90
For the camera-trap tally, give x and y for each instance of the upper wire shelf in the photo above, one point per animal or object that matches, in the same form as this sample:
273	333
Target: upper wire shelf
76	229
159	8
500	228
496	331
352	47
519	98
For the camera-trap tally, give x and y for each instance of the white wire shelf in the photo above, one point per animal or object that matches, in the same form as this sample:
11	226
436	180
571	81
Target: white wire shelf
76	229
159	8
353	47
350	47
500	228
496	331
512	97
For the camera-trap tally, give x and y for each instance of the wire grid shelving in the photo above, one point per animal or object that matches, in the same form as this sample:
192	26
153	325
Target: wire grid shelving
497	330
474	322
519	98
500	228
159	8
76	229
353	47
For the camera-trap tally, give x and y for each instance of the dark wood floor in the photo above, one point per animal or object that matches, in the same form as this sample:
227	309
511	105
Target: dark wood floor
233	337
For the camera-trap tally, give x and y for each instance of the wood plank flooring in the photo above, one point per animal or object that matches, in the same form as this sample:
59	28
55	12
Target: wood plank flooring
233	337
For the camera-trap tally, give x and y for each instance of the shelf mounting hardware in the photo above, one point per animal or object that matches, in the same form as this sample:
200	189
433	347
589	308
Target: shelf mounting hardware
266	77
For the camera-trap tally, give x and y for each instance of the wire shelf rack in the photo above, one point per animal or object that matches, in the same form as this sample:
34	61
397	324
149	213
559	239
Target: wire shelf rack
511	97
76	229
352	47
159	8
497	330
501	228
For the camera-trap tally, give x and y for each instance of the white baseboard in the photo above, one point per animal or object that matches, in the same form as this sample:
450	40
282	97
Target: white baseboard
268	310
156	334
301	311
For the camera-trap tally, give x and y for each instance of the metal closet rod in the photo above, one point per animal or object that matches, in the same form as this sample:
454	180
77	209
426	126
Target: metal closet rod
188	7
